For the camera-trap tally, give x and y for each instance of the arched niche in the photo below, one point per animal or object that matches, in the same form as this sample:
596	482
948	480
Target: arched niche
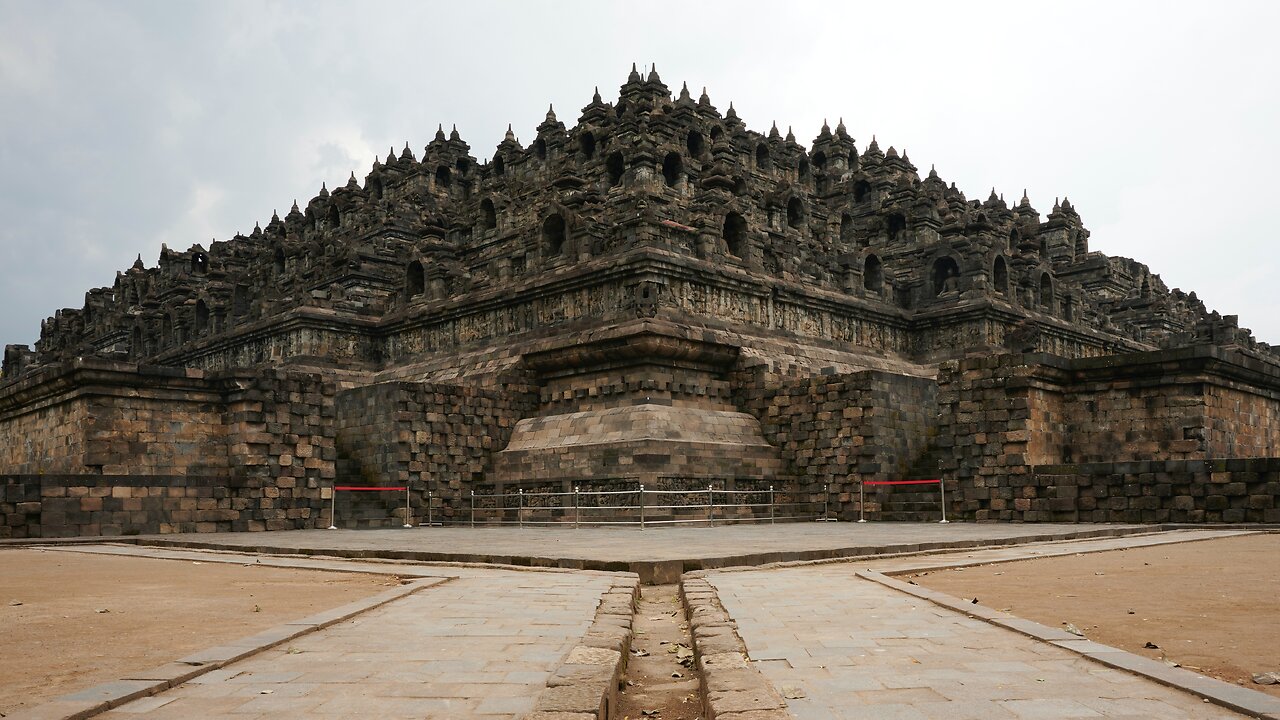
553	234
615	166
488	214
763	161
1000	276
795	212
587	145
873	275
861	191
202	318
735	234
896	224
945	275
415	281
846	228
672	167
694	144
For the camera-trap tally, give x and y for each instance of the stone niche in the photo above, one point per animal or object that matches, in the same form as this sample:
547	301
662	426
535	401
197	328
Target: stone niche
645	407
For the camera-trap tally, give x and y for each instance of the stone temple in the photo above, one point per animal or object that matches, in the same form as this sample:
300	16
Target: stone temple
655	295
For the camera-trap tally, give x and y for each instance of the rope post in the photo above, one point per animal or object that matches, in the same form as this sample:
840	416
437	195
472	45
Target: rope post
429	522
333	508
711	506
862	503
770	504
406	506
473	508
942	495
641	506
520	508
575	507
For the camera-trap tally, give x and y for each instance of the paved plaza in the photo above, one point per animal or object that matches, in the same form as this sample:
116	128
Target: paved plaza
619	547
832	639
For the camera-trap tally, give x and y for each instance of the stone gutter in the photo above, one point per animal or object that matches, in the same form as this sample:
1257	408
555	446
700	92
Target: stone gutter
732	688
585	686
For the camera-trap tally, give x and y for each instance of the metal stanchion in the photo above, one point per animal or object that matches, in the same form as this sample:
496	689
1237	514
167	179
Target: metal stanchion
520	508
406	506
942	493
862	503
333	508
429	513
641	506
575	507
770	504
711	507
473	508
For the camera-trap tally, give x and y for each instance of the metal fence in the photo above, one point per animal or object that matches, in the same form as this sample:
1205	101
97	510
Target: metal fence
640	506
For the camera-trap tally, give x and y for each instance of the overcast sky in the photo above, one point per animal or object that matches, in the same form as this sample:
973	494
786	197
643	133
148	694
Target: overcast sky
124	125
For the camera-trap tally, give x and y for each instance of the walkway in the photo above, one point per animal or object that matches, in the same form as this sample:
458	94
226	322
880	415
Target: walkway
476	647
840	646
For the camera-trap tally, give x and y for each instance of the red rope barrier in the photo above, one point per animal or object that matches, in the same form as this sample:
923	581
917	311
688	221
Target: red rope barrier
356	487
901	482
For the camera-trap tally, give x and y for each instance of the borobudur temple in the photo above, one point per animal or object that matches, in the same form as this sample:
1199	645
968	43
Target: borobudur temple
656	295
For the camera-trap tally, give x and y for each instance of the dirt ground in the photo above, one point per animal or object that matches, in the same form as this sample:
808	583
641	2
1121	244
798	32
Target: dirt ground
72	620
660	679
1210	606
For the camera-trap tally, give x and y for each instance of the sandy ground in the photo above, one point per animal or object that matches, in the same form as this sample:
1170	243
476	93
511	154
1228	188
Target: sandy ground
71	620
1210	606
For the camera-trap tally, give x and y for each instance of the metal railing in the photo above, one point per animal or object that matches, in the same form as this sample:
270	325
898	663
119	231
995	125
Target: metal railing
639	506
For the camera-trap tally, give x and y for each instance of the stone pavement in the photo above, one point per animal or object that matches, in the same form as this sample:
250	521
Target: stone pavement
479	647
475	642
484	642
839	646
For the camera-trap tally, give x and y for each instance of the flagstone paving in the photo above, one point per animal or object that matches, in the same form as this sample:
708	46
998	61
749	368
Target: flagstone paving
474	647
838	646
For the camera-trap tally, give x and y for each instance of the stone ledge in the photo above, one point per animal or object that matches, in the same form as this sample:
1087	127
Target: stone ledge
732	688
585	685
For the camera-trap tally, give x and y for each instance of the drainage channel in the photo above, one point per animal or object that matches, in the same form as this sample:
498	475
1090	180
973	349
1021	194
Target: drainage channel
662	678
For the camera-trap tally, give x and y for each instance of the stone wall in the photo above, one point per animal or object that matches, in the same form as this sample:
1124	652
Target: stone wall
50	438
280	427
78	505
1039	437
1169	491
432	437
837	430
142	449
